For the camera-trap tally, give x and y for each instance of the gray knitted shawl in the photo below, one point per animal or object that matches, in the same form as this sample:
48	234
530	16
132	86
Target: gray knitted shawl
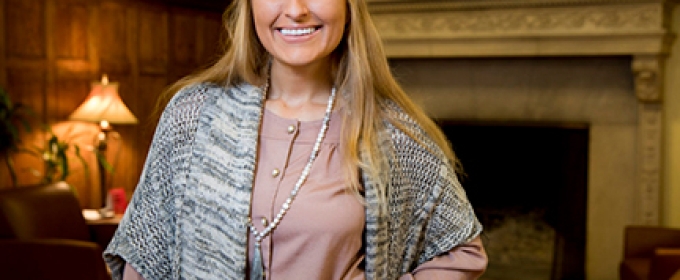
187	218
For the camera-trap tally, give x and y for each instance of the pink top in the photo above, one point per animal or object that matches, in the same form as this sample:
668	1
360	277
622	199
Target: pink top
321	235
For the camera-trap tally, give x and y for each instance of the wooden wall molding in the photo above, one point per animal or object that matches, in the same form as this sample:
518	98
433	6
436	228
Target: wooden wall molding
206	5
3	52
154	45
113	37
27	30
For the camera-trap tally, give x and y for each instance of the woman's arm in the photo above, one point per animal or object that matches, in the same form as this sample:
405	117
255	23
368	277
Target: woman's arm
144	235
467	261
129	273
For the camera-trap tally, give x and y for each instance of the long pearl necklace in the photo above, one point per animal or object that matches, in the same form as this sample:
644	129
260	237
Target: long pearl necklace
257	269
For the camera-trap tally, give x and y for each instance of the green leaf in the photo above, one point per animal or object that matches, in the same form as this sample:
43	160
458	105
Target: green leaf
14	133
63	164
12	169
102	160
4	98
86	167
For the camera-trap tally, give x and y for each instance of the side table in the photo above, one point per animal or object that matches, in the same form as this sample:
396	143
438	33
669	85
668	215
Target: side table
102	229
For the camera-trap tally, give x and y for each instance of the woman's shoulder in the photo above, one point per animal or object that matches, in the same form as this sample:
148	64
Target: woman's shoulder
199	95
407	134
199	92
193	95
399	122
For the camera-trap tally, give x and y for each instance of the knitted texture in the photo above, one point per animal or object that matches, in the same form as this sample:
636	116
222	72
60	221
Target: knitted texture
188	216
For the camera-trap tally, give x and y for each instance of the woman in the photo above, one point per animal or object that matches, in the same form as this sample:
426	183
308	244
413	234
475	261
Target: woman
297	156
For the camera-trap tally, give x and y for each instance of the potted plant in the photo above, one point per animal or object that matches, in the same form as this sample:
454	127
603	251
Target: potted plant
54	153
13	118
55	156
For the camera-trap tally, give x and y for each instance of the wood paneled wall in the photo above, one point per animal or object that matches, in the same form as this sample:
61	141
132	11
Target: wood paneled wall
52	50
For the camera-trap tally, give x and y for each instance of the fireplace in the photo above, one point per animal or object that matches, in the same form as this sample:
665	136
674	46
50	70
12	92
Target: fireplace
527	183
594	63
526	95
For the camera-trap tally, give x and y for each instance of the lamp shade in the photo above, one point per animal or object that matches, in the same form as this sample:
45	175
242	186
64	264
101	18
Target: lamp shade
104	104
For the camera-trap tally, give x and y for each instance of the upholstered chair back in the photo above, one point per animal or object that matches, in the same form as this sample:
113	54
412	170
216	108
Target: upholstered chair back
40	212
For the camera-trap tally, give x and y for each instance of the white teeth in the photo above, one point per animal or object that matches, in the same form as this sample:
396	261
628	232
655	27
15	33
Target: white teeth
297	32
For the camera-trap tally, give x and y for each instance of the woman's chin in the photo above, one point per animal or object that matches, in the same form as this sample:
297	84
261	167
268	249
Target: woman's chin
301	58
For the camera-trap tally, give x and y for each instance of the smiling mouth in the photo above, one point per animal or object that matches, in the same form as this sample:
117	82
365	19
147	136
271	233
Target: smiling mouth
298	31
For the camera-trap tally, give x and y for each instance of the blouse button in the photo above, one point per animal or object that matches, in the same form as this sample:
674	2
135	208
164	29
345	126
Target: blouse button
264	221
276	172
291	129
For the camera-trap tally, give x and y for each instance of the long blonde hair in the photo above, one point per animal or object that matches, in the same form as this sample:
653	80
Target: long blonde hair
364	79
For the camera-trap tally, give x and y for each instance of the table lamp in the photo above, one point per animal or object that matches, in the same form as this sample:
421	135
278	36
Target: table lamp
105	107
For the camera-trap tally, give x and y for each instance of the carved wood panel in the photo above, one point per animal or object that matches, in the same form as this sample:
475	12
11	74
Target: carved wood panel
68	94
27	85
69	32
153	40
25	28
149	89
70	29
212	41
73	69
3	70
112	36
54	49
184	38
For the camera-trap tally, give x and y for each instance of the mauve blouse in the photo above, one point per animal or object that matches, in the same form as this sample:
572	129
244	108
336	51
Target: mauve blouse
320	237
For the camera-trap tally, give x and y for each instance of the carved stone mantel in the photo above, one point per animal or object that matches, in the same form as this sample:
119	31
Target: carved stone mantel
512	28
522	28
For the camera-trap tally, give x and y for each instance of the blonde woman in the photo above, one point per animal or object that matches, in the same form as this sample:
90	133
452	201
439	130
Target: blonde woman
297	156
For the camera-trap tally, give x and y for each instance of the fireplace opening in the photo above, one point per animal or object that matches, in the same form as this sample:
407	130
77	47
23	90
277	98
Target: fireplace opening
528	185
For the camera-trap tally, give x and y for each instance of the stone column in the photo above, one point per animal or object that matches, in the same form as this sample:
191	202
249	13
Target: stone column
648	73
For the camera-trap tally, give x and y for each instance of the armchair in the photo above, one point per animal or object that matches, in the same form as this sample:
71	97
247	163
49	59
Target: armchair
43	235
650	253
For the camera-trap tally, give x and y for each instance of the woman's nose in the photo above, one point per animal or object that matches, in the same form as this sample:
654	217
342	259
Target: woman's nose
296	9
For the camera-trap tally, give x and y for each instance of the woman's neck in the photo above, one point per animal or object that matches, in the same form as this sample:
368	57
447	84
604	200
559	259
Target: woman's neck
297	92
309	82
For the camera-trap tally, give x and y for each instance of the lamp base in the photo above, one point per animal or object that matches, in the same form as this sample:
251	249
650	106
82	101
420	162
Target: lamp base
106	213
107	210
102	143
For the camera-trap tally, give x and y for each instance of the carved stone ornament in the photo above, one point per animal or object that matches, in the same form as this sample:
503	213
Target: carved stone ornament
648	74
550	21
466	28
650	132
